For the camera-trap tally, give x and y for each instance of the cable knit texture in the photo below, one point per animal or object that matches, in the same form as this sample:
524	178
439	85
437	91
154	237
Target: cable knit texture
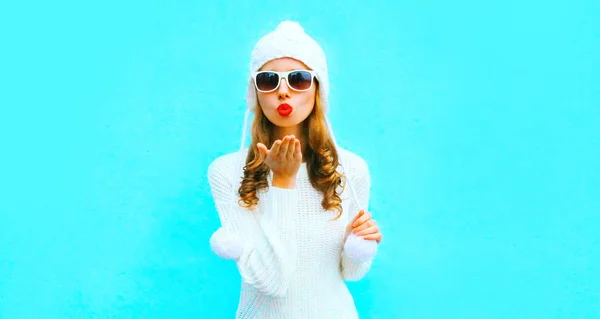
292	263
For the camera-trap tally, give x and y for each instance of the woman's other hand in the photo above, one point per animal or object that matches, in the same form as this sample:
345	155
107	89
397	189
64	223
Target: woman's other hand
363	225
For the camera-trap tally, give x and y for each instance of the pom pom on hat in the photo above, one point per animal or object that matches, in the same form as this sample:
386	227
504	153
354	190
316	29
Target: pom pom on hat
292	26
289	40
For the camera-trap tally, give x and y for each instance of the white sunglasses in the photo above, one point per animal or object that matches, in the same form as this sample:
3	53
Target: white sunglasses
297	80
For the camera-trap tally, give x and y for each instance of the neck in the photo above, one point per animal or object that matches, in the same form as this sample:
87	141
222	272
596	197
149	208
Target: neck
281	132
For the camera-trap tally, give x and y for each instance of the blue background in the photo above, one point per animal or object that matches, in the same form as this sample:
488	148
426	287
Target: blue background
479	120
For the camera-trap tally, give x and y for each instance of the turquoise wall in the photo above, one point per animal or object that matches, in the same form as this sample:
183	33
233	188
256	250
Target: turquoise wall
480	122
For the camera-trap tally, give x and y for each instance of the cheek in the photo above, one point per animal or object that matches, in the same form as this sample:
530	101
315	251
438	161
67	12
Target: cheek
265	99
308	100
306	97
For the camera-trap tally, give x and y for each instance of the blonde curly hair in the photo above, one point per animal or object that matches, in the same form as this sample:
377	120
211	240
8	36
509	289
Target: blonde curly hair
320	154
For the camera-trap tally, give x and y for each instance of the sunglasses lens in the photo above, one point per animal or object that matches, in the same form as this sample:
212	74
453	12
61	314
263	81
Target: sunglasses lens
300	80
267	81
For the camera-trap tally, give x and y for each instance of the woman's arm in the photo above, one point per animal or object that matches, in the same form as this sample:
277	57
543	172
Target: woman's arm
268	257
353	270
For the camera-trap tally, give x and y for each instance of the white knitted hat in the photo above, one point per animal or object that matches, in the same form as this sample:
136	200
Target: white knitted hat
289	40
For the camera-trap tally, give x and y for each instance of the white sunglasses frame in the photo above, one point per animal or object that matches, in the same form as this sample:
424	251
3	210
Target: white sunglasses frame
284	75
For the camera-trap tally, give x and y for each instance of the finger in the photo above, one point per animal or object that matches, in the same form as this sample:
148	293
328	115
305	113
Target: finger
365	225
275	147
377	237
284	147
262	148
369	231
366	216
351	223
291	148
297	150
360	213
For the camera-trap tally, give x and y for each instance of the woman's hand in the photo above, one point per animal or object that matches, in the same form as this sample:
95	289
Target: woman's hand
284	158
364	226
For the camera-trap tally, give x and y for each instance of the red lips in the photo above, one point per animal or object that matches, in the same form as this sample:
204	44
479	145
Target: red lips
284	109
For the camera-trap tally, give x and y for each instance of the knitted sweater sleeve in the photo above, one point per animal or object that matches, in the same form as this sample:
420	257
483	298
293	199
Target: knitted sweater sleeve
268	256
361	182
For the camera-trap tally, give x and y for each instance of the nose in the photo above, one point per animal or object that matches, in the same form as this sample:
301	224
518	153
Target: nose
284	90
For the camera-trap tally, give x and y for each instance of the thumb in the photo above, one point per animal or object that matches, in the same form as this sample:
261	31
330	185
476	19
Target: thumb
262	149
349	227
360	213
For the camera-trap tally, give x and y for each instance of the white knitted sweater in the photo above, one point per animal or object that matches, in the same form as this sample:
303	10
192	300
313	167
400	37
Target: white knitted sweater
293	264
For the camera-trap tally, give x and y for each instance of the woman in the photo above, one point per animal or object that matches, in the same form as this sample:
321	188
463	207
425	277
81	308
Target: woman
290	204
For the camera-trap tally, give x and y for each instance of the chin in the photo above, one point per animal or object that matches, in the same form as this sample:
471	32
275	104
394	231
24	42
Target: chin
285	122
